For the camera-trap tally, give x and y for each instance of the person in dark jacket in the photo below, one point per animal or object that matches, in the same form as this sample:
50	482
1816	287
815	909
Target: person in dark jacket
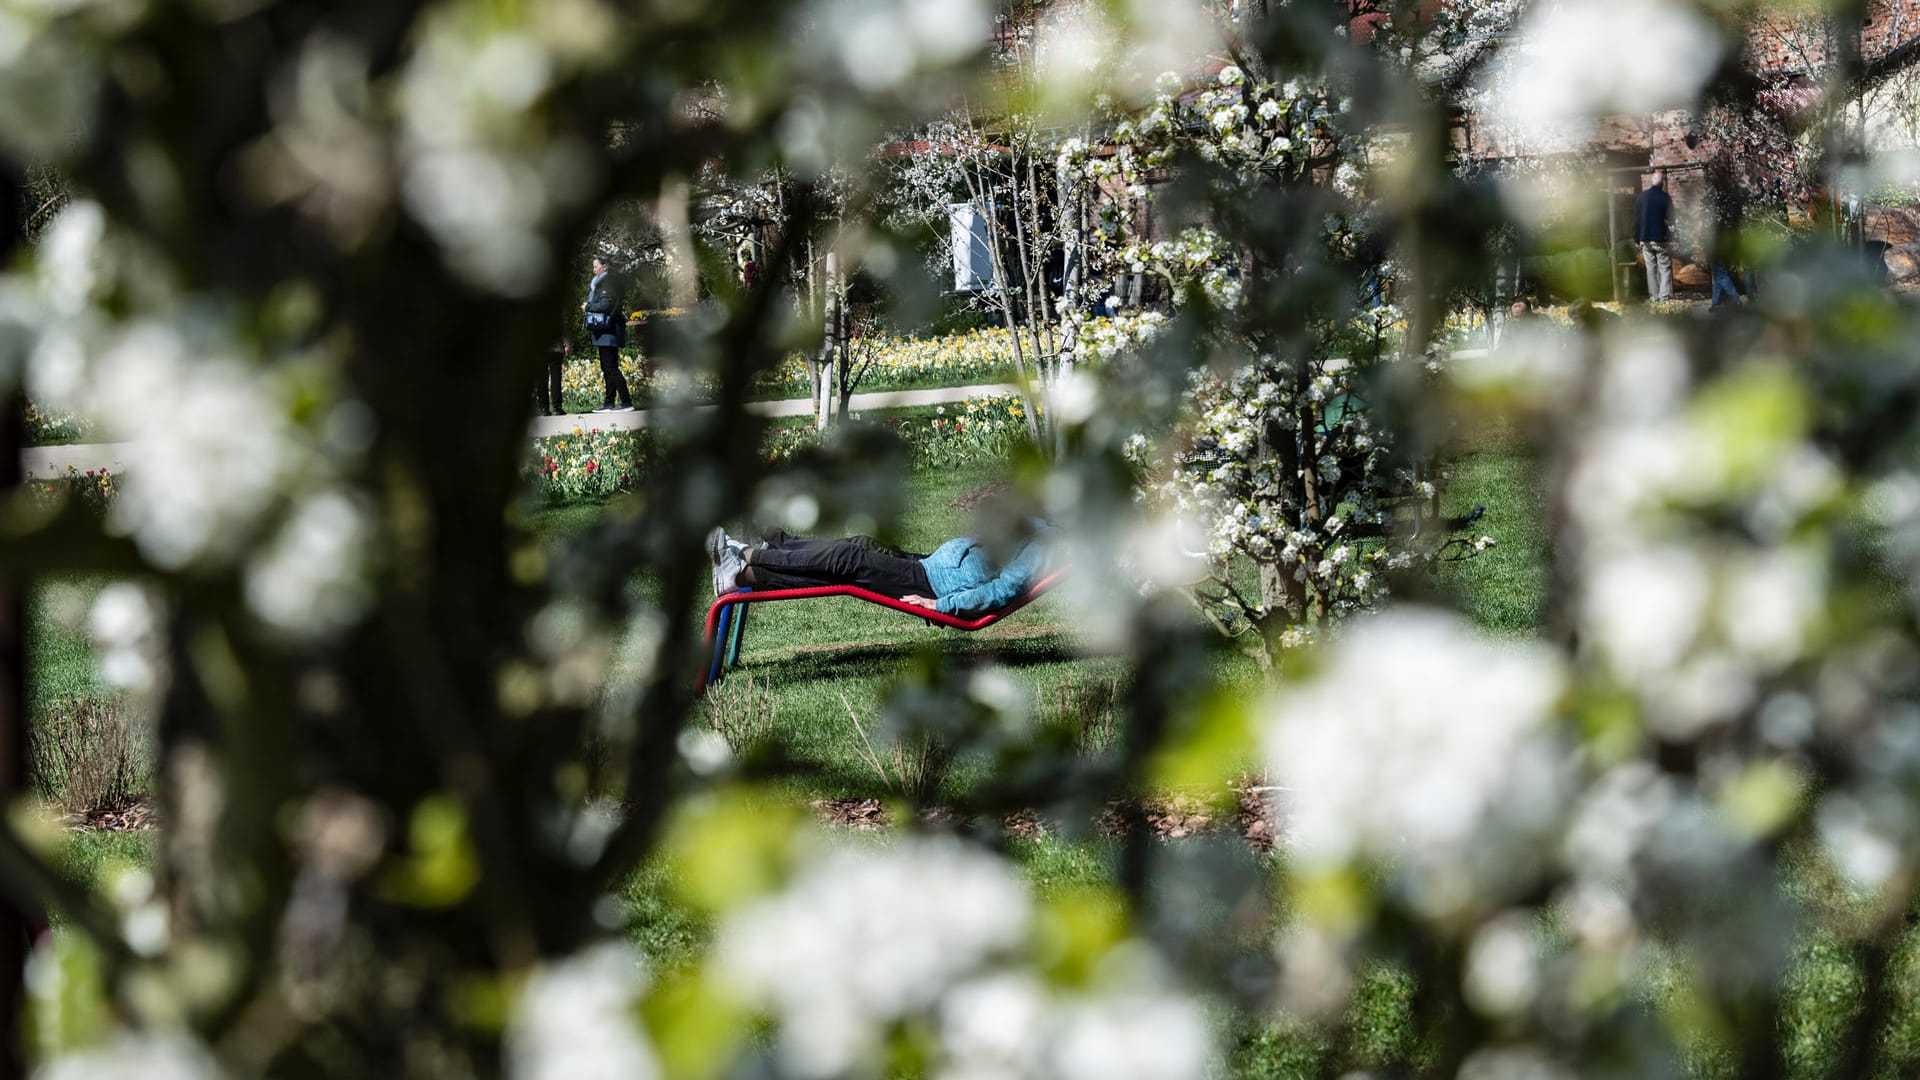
1652	214
607	328
959	578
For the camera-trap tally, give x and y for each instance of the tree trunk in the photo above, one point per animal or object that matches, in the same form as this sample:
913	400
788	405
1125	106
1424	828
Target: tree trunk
1006	309
674	209
823	382
15	922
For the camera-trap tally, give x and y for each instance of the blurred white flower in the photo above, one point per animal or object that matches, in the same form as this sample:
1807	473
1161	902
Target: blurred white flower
948	30
996	689
1169	551
1513	1063
1314	977
1075	397
1121	48
482	171
50	79
1865	851
67	260
311	579
1771	601
125	625
1615	818
1134	1036
576	1020
217	448
1414	736
880	44
868	935
1644	375
995	1026
1578	60
1533	359
1503	966
135	1057
704	750
870	37
1641	609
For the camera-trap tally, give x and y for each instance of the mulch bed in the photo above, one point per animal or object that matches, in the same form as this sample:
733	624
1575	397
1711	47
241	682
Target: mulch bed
138	815
1258	817
971	500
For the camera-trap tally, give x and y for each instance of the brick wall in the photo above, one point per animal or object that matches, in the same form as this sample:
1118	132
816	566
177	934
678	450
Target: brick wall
1788	46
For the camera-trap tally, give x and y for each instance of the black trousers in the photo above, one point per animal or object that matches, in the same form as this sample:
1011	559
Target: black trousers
796	562
610	374
551	400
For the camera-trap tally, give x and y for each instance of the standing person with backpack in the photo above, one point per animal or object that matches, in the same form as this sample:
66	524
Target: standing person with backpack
607	329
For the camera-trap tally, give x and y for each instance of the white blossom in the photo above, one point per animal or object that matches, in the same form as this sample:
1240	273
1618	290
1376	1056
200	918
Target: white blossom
1415	736
135	1057
576	1020
1134	1036
125	624
1580	59
868	935
311	580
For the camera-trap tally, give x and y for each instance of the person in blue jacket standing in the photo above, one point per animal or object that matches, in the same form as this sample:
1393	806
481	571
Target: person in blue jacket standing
607	328
959	578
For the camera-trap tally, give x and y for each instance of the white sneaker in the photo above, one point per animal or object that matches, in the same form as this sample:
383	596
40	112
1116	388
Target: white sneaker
724	553
726	573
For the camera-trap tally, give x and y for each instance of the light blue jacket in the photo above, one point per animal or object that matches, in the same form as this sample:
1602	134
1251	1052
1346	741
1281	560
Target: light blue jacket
965	581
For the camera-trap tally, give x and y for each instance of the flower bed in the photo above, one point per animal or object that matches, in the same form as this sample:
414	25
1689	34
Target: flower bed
93	489
975	356
585	464
52	427
589	463
978	429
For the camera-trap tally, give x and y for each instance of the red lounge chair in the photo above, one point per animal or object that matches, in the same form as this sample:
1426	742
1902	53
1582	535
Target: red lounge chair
727	618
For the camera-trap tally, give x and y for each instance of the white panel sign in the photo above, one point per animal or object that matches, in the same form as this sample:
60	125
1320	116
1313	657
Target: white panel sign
972	263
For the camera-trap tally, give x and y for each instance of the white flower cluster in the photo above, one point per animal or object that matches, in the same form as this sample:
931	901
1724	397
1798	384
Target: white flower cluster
1422	741
126	624
1689	622
1197	255
50	74
136	1057
881	45
1099	341
935	929
219	451
578	1018
480	166
1253	128
308	581
1575	61
1228	478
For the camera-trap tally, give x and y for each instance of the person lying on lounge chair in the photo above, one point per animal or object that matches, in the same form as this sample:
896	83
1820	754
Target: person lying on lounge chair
959	578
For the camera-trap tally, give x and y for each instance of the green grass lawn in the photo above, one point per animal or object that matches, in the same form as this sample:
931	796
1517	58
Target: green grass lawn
813	663
60	661
809	664
1503	589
